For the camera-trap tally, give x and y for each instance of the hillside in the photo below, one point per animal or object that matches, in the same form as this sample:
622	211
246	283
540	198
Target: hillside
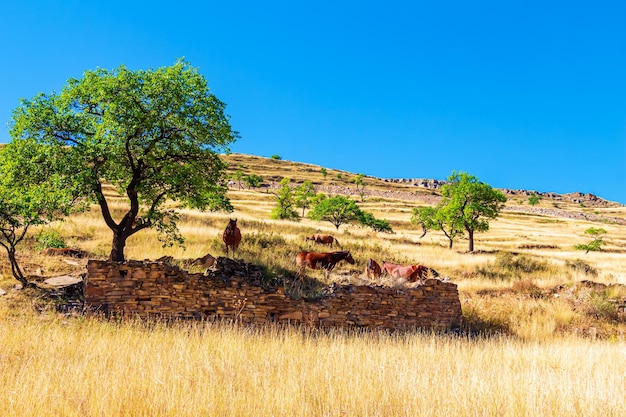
420	190
524	278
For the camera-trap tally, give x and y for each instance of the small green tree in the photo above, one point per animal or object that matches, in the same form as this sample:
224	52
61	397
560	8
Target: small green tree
337	210
379	225
31	194
276	157
253	180
285	202
470	204
440	218
466	206
596	243
304	195
534	199
238	176
424	217
360	185
324	172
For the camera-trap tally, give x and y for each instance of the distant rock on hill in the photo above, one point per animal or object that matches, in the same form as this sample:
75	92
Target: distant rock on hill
588	200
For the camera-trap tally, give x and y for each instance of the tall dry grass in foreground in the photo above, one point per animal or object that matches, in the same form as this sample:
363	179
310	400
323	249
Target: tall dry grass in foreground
55	366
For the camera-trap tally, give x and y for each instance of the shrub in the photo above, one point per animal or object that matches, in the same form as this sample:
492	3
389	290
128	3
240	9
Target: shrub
581	266
49	238
264	240
518	263
602	307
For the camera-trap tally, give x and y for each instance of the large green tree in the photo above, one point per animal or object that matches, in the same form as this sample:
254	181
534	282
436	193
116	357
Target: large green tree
31	194
153	135
467	206
472	203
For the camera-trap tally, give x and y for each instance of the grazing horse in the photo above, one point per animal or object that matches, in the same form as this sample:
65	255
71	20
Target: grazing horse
400	271
324	260
411	273
232	236
324	239
372	269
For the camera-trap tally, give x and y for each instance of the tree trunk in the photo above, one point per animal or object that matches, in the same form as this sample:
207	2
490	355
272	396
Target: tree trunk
15	268
117	247
471	240
450	245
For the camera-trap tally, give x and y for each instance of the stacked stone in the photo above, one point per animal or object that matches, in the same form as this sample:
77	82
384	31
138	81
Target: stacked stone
232	292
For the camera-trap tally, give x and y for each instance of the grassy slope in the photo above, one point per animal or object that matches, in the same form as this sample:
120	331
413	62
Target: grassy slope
563	356
518	262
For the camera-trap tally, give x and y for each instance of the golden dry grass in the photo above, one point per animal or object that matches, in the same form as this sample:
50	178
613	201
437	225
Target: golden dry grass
53	366
542	352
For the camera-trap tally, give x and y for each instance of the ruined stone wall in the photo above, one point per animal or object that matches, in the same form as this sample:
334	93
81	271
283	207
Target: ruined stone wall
158	289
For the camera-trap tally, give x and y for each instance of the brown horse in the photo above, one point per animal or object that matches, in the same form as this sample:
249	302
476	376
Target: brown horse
400	271
324	239
323	260
372	269
411	273
232	236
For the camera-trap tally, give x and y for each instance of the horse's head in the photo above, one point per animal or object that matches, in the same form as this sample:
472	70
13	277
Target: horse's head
349	257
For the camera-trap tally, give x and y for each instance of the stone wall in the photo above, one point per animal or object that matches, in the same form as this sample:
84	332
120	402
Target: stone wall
233	292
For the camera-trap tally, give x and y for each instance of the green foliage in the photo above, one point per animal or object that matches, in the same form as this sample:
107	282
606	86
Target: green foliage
32	192
466	206
154	135
534	199
238	176
276	157
324	172
598	241
317	198
305	194
360	185
339	176
437	218
49	238
378	225
425	218
337	210
285	202
253	180
603	307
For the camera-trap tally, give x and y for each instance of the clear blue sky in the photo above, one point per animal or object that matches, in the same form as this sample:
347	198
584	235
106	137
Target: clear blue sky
526	94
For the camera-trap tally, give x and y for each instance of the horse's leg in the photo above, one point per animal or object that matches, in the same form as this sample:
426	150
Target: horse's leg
301	269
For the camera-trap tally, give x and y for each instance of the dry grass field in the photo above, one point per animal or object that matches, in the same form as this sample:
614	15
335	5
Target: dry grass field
544	330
